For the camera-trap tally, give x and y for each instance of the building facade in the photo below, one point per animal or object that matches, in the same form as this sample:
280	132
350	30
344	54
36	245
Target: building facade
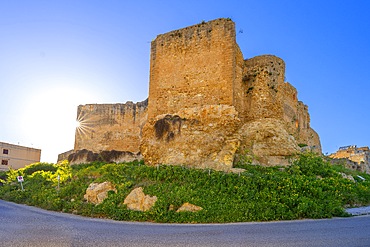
357	158
15	156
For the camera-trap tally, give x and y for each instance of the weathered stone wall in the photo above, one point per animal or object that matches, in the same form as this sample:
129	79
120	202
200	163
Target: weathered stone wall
110	127
290	104
275	122
305	135
298	119
239	91
262	77
194	66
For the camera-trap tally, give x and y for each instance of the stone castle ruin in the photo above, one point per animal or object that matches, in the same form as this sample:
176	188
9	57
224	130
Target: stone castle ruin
207	105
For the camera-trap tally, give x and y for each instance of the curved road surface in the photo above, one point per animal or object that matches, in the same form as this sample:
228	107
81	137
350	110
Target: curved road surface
28	226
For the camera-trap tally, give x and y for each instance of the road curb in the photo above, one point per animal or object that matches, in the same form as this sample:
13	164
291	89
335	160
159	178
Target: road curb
358	211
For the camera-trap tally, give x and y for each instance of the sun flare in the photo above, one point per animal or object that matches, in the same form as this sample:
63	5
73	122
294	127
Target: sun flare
78	124
49	119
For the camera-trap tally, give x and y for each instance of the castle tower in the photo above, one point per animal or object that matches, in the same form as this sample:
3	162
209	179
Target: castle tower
262	80
193	66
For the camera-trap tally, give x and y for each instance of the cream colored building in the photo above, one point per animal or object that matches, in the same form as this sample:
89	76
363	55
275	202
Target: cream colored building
15	156
357	158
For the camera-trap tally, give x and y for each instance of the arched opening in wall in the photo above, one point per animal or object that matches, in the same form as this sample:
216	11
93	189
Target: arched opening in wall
294	96
296	123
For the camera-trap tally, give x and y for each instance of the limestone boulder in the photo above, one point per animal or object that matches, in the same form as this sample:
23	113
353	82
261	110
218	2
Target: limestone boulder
349	177
188	207
97	192
202	137
268	141
138	201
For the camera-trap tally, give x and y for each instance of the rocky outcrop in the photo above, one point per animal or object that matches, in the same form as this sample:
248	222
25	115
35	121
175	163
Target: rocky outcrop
203	137
268	141
86	156
188	207
65	155
138	201
349	177
97	192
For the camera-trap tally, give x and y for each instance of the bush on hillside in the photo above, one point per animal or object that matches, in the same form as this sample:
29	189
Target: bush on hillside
40	166
309	188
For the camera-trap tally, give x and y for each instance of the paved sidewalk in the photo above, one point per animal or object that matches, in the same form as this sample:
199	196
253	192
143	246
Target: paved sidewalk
358	211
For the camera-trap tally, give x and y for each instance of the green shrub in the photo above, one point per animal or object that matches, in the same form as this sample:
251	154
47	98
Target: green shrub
309	188
2	177
311	164
28	170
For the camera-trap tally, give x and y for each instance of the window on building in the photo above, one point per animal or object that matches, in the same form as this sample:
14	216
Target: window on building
5	151
4	162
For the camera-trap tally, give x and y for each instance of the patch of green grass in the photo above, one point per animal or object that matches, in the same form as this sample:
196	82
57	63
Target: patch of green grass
310	188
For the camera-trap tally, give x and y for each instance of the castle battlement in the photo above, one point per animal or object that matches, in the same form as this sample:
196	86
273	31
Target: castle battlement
193	66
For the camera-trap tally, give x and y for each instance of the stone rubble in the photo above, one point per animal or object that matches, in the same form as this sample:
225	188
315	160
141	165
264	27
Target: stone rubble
97	192
138	201
188	207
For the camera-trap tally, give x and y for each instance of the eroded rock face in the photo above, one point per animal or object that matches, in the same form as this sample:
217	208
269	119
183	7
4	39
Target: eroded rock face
86	156
97	192
188	207
268	140
203	137
138	201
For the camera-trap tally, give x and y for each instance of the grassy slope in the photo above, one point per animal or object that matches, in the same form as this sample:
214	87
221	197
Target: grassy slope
310	188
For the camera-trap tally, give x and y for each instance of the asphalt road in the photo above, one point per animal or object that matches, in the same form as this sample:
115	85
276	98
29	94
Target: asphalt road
28	226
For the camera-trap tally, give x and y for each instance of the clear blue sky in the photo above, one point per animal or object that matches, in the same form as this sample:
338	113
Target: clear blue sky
55	55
